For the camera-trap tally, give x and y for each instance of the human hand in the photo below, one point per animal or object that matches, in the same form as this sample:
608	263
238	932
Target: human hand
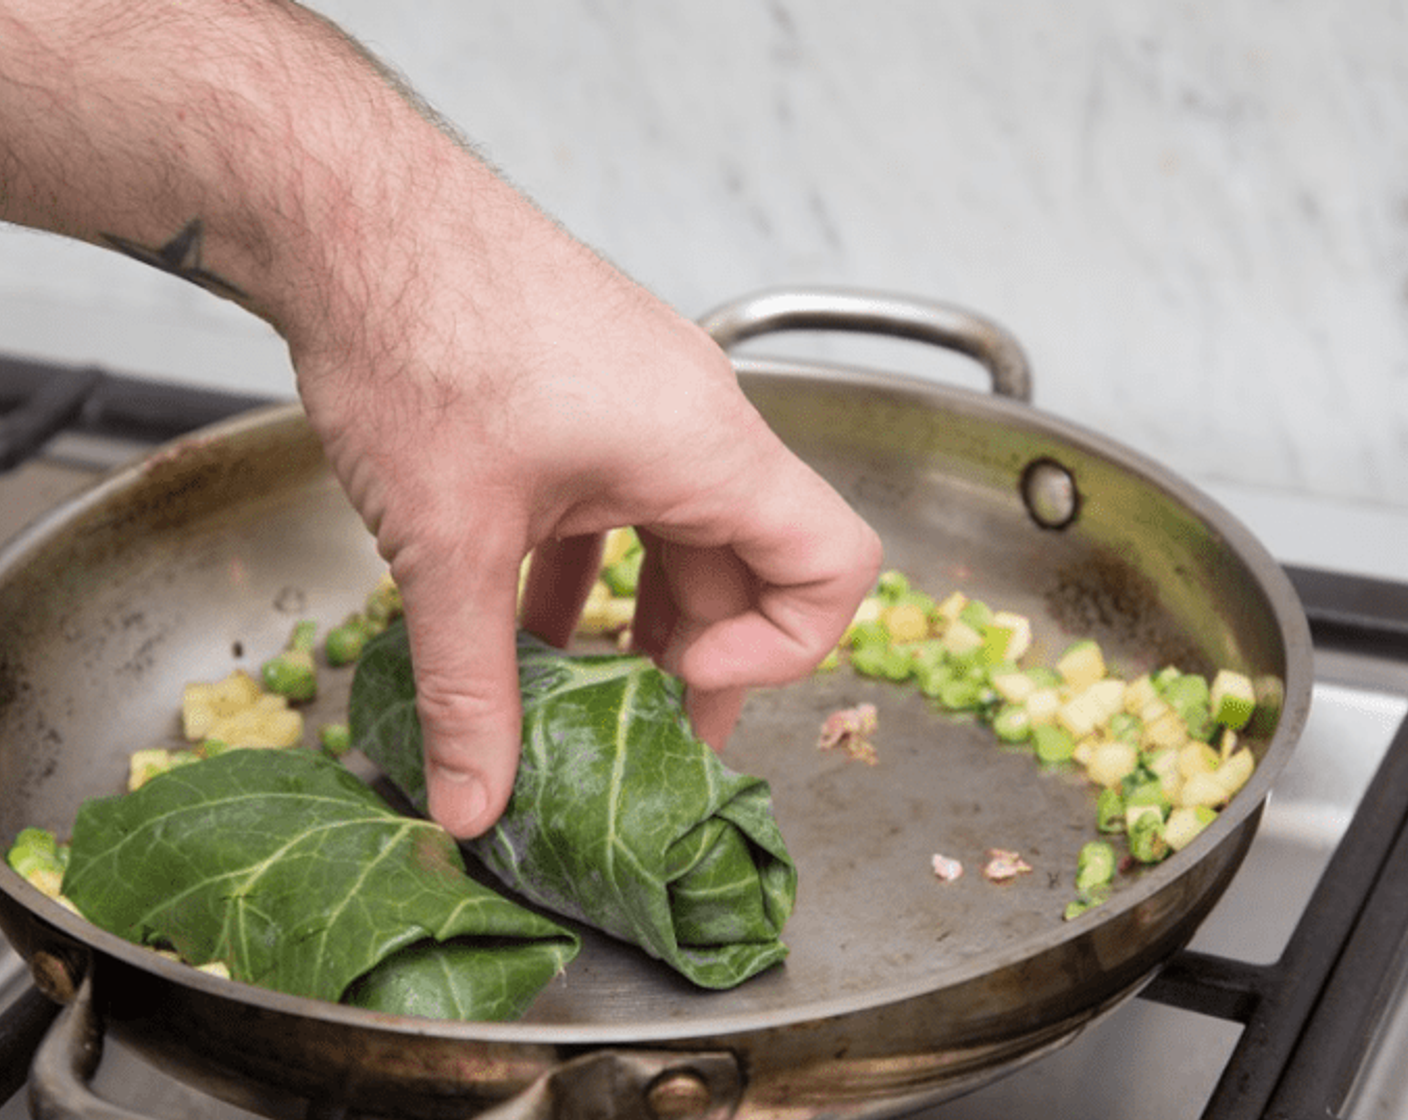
484	386
530	399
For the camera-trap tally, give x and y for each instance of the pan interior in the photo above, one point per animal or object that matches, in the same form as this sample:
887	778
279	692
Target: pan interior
200	562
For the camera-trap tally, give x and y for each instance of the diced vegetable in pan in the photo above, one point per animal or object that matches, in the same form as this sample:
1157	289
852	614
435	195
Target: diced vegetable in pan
292	672
38	858
235	711
1160	747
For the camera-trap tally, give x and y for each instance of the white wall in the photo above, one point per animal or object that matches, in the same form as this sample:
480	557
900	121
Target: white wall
1193	214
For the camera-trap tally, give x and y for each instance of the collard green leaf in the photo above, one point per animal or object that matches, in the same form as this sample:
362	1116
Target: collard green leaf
294	873
620	816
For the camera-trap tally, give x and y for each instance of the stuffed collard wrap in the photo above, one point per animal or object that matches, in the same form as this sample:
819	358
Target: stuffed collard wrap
620	816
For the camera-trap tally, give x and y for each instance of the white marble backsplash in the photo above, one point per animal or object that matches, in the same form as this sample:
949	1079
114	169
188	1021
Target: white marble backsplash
1193	214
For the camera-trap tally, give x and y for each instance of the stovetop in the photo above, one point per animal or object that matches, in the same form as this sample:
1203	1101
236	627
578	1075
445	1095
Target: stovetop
1265	1014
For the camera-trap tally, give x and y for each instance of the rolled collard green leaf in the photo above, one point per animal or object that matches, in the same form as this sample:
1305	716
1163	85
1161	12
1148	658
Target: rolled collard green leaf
286	867
620	817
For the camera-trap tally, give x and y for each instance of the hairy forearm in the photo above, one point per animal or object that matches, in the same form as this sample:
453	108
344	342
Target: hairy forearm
233	142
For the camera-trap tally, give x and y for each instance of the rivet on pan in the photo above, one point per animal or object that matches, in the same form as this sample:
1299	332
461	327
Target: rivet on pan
53	977
1050	493
678	1095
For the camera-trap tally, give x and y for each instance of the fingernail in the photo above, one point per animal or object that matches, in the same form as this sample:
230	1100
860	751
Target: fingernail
459	801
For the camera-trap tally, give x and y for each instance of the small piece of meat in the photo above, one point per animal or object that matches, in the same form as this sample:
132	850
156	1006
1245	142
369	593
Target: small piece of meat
850	729
946	869
1003	865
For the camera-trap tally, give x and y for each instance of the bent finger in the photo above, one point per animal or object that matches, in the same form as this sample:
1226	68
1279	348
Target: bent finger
560	577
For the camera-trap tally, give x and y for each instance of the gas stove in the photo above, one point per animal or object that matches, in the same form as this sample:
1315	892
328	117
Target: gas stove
1292	999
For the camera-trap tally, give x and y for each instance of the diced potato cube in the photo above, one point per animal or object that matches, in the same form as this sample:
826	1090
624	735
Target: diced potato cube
1013	687
1184	823
1112	762
1235	771
1196	758
1167	730
144	765
1043	704
959	637
952	606
1082	664
1203	789
906	622
203	704
267	723
870	610
604	613
618	542
1138	694
1092	707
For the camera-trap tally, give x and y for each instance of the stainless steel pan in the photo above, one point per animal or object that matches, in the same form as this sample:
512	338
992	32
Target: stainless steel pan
900	990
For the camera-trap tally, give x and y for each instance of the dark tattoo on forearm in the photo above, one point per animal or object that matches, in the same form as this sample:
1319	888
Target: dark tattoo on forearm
180	256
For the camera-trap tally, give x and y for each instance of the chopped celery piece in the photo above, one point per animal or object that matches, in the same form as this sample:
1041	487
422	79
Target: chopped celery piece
868	660
343	644
1052	743
892	585
1149	792
292	673
623	576
1125	726
1146	837
34	848
1232	699
1086	900
1043	676
1019	629
1095	865
960	694
976	614
932	676
1109	810
1012	724
871	632
1188	695
335	739
896	665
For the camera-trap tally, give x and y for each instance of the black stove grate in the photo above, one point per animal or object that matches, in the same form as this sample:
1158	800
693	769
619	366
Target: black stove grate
1310	1017
38	400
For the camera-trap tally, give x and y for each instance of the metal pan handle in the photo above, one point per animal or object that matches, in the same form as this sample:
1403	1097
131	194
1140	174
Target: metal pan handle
66	1060
880	313
651	1085
644	1084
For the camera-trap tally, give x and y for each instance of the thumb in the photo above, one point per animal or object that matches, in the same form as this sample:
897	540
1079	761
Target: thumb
461	624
